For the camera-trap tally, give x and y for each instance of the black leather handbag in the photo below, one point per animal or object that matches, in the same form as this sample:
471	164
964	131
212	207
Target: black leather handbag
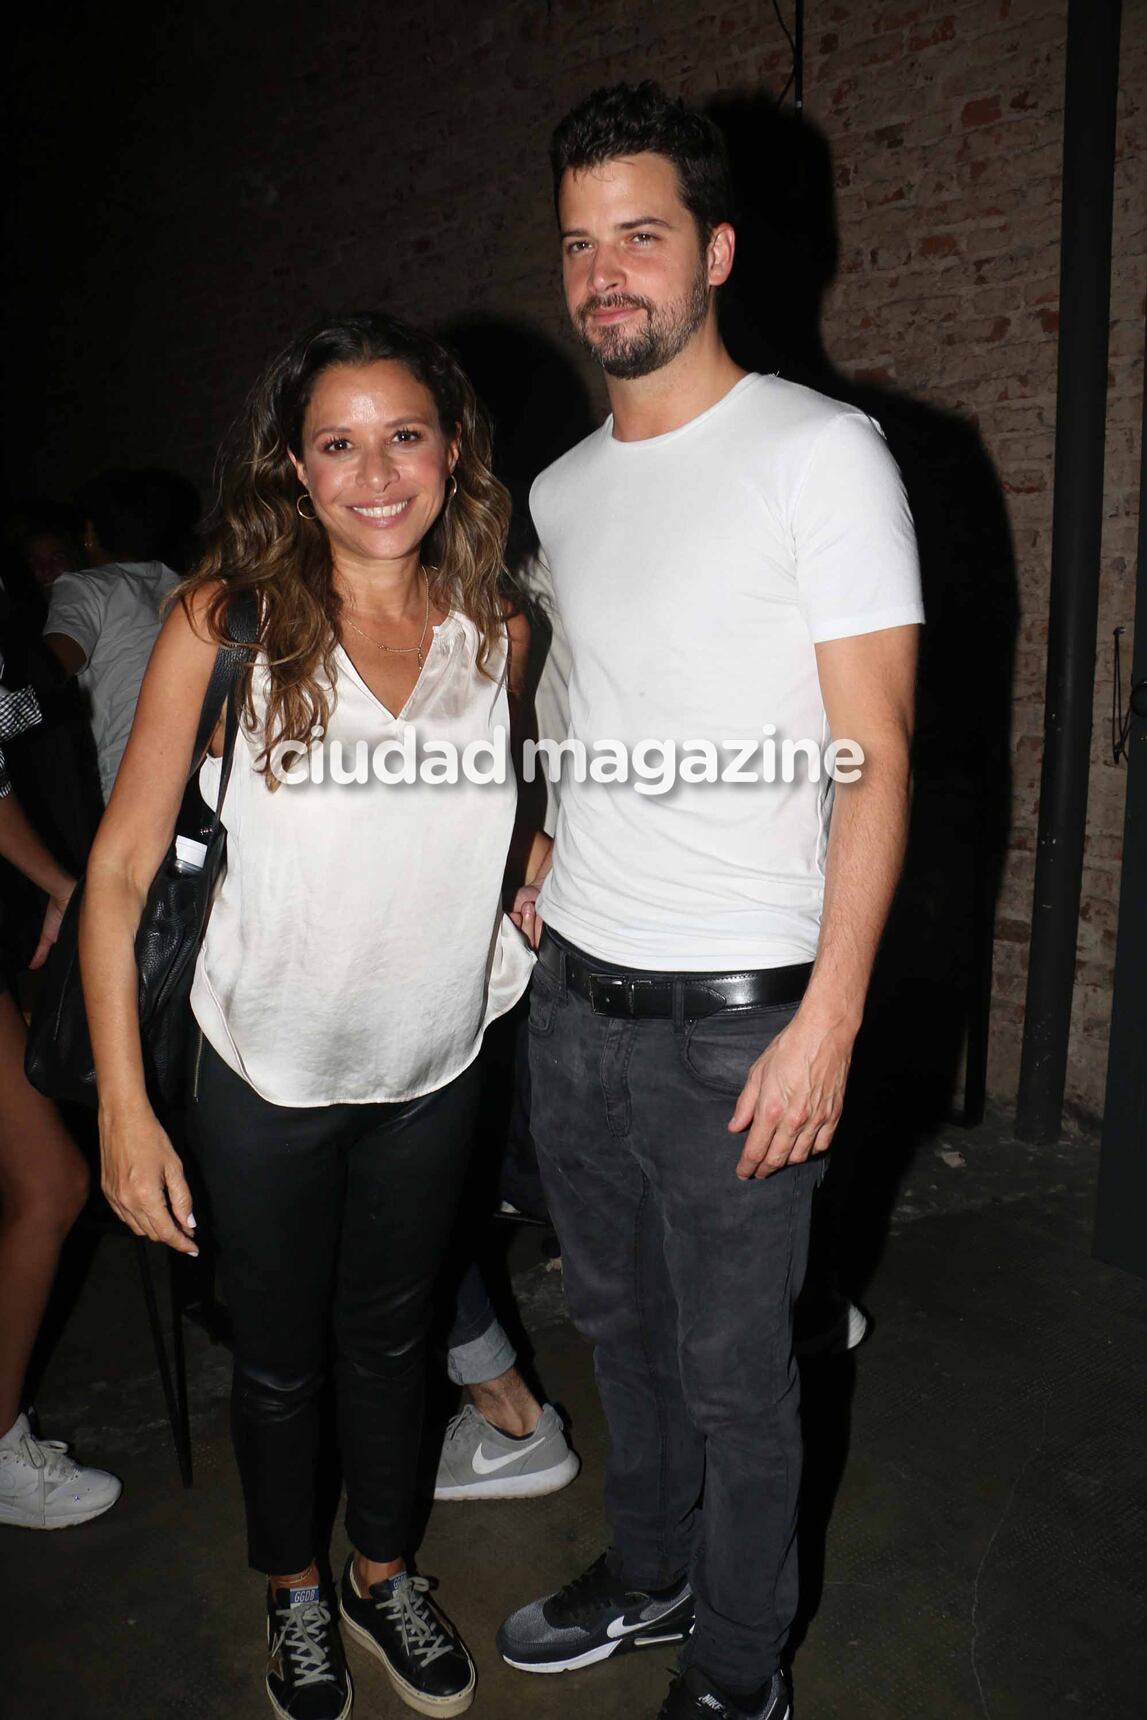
58	1061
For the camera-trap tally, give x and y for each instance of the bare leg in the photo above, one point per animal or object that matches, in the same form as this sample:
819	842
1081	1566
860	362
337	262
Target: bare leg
507	1403
43	1186
368	1571
299	1580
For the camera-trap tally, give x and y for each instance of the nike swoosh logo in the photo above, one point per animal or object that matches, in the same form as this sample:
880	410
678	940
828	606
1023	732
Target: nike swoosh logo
487	1465
620	1627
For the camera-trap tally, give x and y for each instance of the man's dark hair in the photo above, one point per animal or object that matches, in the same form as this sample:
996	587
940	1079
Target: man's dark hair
140	515
631	119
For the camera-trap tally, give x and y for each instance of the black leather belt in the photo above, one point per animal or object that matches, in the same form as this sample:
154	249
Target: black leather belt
635	994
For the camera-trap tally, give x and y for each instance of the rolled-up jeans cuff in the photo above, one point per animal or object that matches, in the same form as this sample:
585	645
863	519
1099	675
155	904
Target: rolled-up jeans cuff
483	1358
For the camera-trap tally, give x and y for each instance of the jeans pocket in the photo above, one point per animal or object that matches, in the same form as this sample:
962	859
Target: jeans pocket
719	1050
543	1001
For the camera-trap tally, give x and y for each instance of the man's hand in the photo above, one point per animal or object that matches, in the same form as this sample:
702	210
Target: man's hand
50	930
524	912
792	1099
525	915
791	1102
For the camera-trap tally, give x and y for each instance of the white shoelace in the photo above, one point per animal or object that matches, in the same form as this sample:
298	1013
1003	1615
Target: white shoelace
300	1637
408	1609
50	1455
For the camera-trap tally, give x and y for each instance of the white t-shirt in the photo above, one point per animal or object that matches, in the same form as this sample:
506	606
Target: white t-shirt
113	614
694	573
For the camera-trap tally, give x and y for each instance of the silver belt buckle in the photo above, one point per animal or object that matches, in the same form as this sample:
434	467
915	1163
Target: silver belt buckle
612	995
604	989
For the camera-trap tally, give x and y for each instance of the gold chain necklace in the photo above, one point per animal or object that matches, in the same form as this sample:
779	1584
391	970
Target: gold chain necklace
399	650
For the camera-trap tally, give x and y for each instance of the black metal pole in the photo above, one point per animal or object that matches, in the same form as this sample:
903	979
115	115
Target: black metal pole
798	57
1120	1231
1091	87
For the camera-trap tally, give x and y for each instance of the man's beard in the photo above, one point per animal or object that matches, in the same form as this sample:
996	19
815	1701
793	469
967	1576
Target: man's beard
627	352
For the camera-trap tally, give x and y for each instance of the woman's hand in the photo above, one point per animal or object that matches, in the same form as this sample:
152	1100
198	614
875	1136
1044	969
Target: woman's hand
525	915
50	930
143	1179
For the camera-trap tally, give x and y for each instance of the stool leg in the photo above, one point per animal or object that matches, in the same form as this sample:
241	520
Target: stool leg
179	1433
179	1272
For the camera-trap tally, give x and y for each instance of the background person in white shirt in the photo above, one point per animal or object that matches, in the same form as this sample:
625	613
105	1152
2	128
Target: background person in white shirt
103	621
731	555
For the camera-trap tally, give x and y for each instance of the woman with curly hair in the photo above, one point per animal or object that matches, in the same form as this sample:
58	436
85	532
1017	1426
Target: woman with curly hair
355	953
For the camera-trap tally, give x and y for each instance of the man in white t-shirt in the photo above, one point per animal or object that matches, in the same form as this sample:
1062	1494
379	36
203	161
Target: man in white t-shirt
735	568
103	621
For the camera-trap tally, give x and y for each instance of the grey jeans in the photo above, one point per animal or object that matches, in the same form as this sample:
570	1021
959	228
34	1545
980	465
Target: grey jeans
683	1279
478	1348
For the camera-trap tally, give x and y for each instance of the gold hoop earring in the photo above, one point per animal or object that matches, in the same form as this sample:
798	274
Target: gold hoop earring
306	496
452	494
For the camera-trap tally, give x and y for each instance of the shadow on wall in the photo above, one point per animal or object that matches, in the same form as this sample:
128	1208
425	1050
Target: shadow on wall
538	408
537	403
933	962
932	982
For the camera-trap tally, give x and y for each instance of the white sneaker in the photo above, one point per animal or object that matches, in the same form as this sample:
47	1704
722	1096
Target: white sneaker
41	1487
479	1461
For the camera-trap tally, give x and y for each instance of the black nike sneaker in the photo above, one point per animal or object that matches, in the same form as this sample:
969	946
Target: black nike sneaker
421	1652
695	1697
307	1677
593	1618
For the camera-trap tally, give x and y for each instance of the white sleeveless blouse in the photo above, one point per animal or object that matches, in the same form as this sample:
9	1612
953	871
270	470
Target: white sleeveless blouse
357	946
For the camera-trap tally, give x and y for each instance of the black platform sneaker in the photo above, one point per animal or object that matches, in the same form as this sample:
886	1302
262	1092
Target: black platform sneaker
307	1677
423	1656
593	1618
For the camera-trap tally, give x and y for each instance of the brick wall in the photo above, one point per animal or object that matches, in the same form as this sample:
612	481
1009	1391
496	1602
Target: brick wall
187	192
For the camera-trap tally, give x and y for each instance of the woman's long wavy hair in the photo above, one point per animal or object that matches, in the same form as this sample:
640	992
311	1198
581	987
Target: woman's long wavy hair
258	542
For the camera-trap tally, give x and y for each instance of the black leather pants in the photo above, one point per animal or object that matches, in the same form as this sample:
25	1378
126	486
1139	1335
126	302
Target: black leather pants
331	1224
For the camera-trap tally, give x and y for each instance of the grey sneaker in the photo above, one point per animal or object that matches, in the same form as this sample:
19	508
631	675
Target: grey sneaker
480	1462
594	1618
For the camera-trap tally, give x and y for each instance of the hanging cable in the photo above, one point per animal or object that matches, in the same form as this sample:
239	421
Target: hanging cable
795	79
785	28
798	58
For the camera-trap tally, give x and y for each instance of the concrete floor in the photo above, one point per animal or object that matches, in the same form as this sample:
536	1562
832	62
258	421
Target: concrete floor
975	1539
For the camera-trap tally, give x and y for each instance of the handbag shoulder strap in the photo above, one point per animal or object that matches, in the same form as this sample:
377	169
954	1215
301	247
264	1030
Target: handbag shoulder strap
241	626
242	629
